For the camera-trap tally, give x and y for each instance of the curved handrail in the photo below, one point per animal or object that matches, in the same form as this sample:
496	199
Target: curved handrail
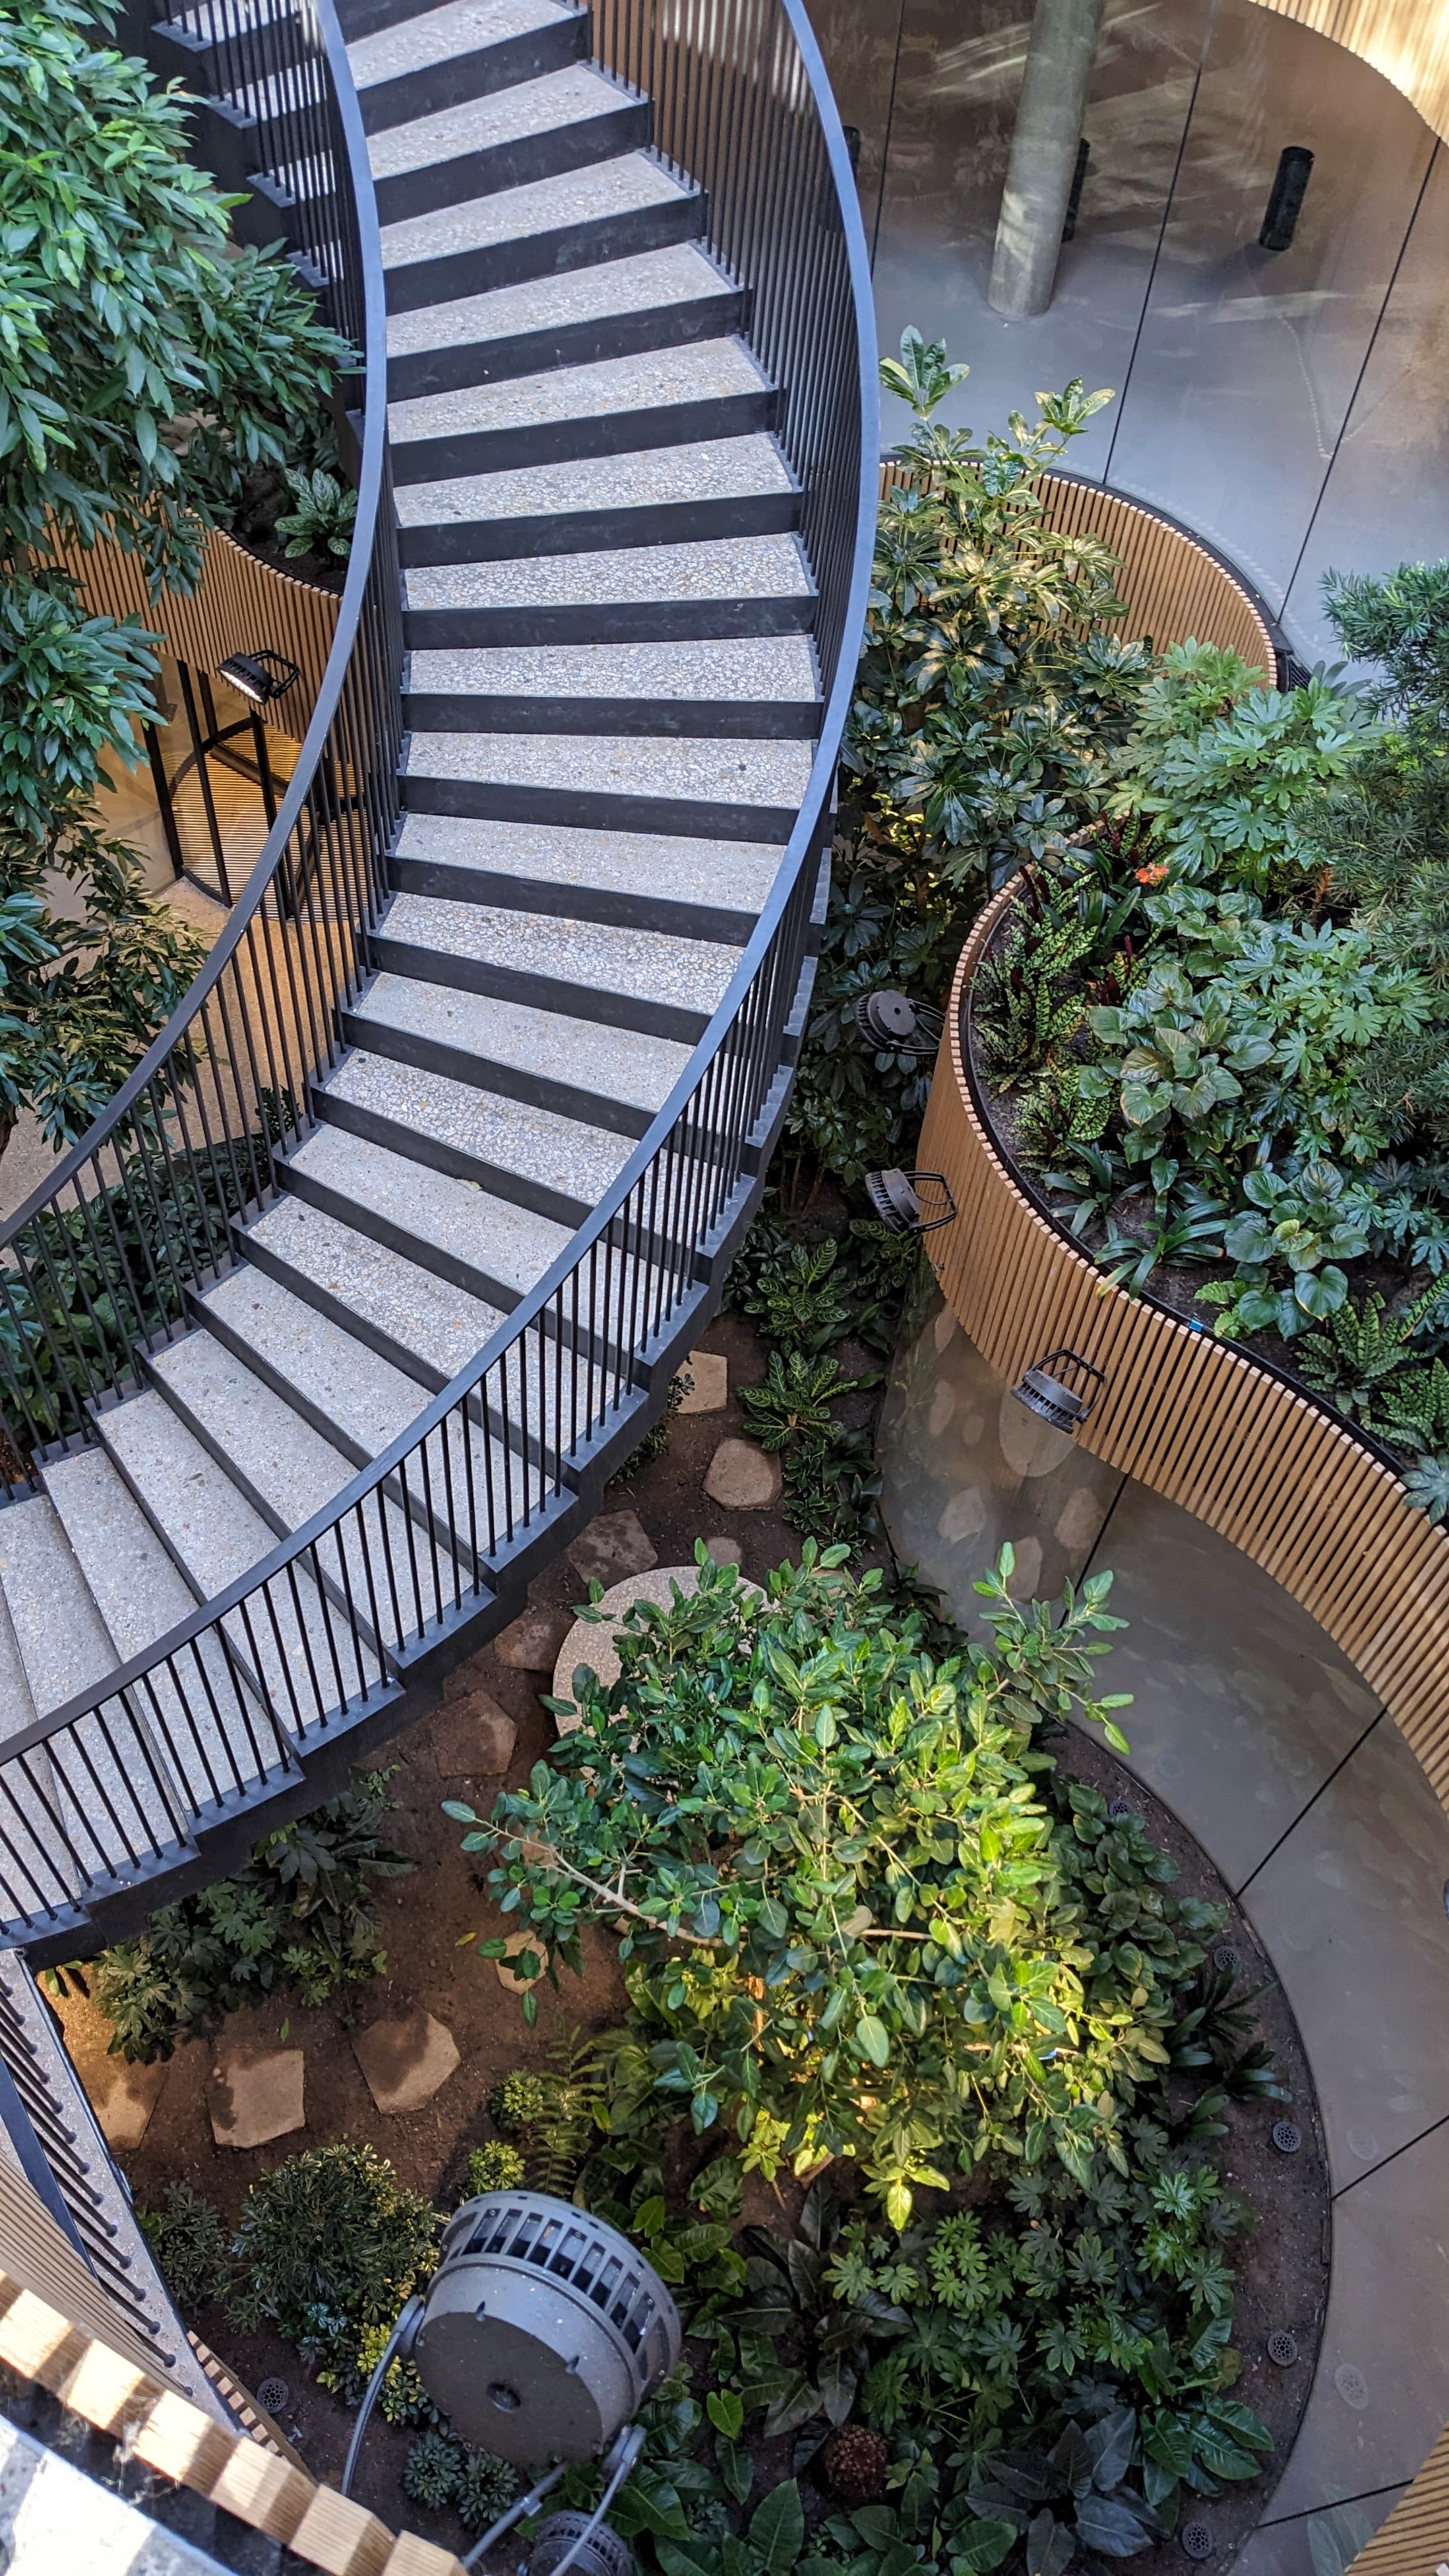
323	1626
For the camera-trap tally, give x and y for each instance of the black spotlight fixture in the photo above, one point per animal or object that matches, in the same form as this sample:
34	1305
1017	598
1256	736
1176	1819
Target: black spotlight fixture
261	678
1061	1389
890	1020
1285	198
910	1202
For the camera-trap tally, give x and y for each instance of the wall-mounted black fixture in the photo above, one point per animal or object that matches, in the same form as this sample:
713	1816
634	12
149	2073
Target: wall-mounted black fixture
910	1202
1061	1389
260	677
1285	203
891	1020
1079	181
852	145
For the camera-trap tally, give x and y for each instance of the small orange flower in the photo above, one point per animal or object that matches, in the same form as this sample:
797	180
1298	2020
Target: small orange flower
1153	875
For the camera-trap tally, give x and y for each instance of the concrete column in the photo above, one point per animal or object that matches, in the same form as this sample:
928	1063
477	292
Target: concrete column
1043	155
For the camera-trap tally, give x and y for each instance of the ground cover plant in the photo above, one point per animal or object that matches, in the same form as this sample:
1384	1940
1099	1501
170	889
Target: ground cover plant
1215	1029
873	1936
300	1919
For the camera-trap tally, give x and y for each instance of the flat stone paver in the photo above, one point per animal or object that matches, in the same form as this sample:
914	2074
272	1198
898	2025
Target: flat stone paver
725	1551
613	1545
472	1737
406	2061
124	2098
742	1478
593	1644
531	1643
519	1941
255	2094
710	1393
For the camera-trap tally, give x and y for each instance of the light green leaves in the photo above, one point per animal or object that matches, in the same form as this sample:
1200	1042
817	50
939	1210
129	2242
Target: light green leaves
921	376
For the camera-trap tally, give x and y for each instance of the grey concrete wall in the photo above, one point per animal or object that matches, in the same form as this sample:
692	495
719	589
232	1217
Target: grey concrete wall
1255	1730
1286	404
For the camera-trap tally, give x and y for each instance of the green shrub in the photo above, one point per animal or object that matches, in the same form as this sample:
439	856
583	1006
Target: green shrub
551	2116
301	1917
188	2237
485	2490
814	1969
496	2167
329	2244
324	515
433	2470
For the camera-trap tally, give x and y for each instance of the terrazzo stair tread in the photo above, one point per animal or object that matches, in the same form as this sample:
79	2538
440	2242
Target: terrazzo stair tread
604	969
425	1326
468	49
534	130
626	594
17	1708
728	789
543	229
713	890
35	1875
217	1538
290	1471
142	1595
492	1249
638	302
614	405
612	1076
645	482
532	1156
763	686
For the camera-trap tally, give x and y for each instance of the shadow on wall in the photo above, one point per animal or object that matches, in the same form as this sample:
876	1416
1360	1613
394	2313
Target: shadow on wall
1249	1723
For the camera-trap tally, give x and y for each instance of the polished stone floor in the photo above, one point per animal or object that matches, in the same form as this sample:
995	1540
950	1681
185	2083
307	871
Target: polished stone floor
1248	1722
1287	405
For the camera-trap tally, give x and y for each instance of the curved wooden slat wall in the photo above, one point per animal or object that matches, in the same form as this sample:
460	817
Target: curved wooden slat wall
240	605
1175	590
1406	40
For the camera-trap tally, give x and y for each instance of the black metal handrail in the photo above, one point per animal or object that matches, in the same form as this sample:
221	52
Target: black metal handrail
225	1709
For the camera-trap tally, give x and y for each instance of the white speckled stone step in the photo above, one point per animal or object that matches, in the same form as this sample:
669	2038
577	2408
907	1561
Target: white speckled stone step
62	1638
585	1057
367	1401
559	1155
432	1328
705	469
722	568
17	1708
677	274
732	875
142	1595
501	1248
643	965
768	776
573	96
441	35
215	1534
765	667
648	380
596	195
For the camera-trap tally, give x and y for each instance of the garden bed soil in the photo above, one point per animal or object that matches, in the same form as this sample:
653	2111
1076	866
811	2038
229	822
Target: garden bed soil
1281	2267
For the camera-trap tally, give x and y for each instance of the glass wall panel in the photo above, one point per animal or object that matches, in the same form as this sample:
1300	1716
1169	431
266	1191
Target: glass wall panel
1249	358
1386	500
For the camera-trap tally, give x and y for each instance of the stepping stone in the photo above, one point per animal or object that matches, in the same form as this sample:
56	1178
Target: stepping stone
594	1645
613	1545
725	1551
472	1737
124	2098
405	2062
710	1371
256	2094
531	1644
519	1941
743	1478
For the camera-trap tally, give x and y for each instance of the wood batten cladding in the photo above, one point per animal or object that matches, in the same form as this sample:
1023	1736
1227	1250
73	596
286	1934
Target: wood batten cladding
1176	592
1406	40
240	605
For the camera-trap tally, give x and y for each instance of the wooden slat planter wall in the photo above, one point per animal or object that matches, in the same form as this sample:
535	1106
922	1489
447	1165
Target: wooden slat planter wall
1406	40
240	605
1176	592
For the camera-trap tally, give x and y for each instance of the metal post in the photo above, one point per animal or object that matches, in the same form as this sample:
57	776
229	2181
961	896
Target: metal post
162	785
1043	155
204	776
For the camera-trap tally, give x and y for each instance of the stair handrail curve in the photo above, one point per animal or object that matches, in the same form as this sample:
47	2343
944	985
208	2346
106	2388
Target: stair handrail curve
318	1635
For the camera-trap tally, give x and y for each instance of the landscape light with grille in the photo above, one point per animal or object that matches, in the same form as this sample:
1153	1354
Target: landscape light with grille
539	2337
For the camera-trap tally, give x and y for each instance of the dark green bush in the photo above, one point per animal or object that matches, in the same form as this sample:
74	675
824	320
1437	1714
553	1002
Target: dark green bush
328	2245
188	2237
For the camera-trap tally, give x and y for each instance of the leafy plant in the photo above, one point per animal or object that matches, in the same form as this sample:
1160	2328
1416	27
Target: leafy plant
551	2116
816	1970
795	1291
794	1401
188	2237
485	2489
499	2166
324	517
433	2470
329	2244
1364	1349
300	1917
